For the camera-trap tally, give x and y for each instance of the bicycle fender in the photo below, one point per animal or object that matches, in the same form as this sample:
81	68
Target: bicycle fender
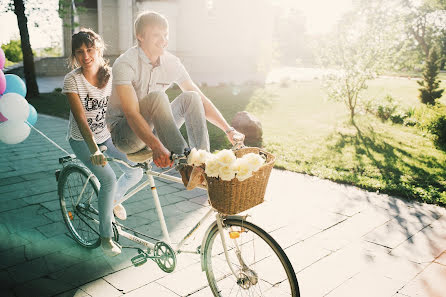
206	234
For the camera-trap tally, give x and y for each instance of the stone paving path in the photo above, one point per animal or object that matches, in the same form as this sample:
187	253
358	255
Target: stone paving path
342	241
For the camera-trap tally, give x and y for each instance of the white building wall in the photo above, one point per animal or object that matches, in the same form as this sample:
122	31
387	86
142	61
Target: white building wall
219	41
227	41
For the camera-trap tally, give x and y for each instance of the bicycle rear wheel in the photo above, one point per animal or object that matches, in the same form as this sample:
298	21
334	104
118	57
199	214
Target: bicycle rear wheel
79	205
262	267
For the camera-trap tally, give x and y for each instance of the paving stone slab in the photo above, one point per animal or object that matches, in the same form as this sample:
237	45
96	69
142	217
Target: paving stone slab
28	270
100	288
431	282
395	232
12	204
42	287
152	289
132	278
361	285
82	273
184	281
48	246
53	229
425	246
12	241
13	256
441	259
6	281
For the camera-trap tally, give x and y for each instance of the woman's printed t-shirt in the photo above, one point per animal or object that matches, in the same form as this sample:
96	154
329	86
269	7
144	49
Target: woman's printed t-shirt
94	101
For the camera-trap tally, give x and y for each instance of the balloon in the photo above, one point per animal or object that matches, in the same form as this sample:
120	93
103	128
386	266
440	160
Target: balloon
2	118
2	83
12	132
14	84
32	118
2	59
14	107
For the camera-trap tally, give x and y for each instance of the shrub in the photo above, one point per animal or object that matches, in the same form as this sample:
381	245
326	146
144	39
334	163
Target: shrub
386	108
13	51
437	127
398	117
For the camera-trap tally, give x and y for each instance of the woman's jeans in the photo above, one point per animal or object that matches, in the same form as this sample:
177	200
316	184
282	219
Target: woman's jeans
165	119
111	191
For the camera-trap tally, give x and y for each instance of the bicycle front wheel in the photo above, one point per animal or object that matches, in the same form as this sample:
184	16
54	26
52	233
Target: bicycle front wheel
78	197
260	266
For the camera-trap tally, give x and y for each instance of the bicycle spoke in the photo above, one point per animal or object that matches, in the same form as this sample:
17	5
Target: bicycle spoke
260	265
79	205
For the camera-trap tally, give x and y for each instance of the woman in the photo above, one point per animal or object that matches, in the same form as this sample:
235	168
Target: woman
88	88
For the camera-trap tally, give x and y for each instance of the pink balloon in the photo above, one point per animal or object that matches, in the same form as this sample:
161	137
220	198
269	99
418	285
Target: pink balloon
2	58
2	83
2	118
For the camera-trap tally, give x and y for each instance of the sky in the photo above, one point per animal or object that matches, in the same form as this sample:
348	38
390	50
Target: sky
320	16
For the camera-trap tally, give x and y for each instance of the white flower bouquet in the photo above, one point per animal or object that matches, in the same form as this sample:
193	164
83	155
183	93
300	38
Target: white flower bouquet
236	180
225	165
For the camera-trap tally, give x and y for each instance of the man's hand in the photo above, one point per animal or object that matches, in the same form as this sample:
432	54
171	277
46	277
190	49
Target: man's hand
161	156
98	158
235	137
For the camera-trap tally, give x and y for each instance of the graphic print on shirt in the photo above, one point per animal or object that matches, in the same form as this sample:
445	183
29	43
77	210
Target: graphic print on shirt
96	122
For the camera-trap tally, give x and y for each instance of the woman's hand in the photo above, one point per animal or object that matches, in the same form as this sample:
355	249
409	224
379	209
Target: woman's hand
98	158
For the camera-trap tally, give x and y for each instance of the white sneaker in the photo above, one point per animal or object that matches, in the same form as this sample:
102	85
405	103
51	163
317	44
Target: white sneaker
120	212
110	248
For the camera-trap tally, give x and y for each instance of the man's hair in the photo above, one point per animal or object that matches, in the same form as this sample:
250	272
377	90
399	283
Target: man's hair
151	19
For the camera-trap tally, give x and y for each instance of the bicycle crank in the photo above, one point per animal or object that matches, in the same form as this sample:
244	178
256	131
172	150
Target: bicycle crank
165	257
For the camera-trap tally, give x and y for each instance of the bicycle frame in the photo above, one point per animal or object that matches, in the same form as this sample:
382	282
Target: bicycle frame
177	249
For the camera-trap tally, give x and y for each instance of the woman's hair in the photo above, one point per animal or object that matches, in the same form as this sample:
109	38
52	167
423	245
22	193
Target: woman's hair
151	19
90	39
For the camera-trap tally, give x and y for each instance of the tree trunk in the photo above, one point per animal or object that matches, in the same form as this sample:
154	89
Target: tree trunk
28	57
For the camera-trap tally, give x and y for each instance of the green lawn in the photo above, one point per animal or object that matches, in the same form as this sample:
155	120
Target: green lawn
310	134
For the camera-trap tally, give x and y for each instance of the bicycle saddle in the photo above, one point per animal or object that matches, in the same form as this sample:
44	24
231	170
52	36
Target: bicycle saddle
141	156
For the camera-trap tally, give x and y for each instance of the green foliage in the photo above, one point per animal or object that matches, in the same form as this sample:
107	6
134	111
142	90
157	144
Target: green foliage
437	127
386	109
13	51
429	90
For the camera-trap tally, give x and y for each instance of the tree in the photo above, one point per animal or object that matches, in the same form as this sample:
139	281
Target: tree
18	7
360	47
425	25
429	90
32	89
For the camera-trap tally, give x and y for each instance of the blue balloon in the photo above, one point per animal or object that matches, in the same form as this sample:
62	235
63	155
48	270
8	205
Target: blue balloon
14	84
32	118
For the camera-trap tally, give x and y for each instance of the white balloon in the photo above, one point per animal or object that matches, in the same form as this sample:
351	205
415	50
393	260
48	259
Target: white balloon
14	107
12	132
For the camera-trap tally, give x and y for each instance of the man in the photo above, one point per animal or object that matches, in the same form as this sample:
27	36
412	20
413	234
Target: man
138	103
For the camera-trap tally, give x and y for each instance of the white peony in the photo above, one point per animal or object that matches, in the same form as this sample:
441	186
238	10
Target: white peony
226	172
212	167
225	157
255	161
197	157
192	156
243	169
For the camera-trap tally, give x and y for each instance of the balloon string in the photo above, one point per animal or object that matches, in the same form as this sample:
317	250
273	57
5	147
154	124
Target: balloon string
48	138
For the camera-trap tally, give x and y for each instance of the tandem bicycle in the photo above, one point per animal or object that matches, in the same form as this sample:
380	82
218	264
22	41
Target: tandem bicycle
238	257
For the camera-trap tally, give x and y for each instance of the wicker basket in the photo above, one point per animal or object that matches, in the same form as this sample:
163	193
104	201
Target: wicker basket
234	196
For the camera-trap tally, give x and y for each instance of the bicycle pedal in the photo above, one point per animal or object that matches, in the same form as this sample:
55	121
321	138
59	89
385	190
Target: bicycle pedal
139	260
